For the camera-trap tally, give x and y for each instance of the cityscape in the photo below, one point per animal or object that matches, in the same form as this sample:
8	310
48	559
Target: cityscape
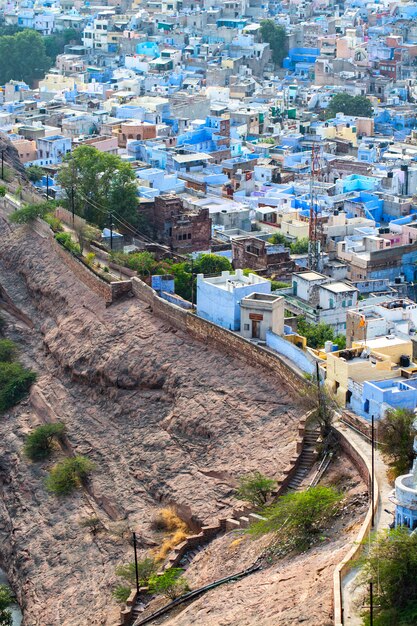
208	313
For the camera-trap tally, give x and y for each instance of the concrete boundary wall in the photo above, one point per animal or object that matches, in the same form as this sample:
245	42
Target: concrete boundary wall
364	467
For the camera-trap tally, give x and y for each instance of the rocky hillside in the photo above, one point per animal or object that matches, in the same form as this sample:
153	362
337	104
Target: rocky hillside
165	418
11	156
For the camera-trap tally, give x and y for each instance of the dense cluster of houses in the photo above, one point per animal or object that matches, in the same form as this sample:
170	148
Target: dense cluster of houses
222	142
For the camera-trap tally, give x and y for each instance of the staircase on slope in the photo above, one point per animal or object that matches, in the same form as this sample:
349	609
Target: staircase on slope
307	459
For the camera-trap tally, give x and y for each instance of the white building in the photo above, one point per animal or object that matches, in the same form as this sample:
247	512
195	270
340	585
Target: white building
260	312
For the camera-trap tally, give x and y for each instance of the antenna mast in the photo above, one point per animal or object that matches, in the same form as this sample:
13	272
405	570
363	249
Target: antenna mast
315	223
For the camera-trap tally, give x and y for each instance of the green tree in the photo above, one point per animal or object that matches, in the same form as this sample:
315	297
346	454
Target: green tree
3	191
29	212
170	584
65	240
298	518
147	567
68	475
279	238
15	382
277	38
183	279
121	593
300	246
39	443
211	264
391	563
349	105
26	57
141	262
396	434
8	350
5	601
255	488
55	44
101	183
34	173
316	334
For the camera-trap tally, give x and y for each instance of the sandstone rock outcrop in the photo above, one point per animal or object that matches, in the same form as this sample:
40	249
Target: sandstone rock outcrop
164	418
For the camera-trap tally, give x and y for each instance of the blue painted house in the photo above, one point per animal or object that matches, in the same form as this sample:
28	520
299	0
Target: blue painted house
218	298
379	396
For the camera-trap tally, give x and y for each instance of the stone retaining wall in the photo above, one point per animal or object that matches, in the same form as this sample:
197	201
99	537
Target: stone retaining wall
240	519
364	467
211	333
66	216
108	291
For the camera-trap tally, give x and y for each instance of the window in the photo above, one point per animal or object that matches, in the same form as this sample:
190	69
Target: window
189	235
246	326
331	303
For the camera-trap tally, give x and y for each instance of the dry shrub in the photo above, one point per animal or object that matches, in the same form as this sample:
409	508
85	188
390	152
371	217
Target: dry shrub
236	543
167	520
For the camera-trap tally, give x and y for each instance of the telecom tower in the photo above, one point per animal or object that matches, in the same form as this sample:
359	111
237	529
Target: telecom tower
315	225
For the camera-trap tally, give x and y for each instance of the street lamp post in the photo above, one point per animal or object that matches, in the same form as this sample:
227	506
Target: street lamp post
136	562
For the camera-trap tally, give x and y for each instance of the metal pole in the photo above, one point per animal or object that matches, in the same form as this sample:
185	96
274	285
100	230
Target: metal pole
136	562
192	280
72	205
2	164
373	469
318	385
371	604
111	231
47	187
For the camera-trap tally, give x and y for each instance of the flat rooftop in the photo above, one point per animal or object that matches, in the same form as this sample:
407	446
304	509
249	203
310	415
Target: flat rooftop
339	287
310	276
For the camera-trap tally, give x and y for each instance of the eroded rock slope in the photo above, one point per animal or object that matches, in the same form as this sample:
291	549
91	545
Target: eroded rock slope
164	417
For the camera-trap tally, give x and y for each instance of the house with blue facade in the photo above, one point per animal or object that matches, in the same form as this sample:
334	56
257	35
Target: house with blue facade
219	297
52	149
156	181
378	396
301	61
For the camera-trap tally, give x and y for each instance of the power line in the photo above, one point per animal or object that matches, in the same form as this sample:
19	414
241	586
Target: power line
127	225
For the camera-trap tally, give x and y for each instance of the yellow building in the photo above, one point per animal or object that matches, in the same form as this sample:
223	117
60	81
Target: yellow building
57	82
294	227
377	359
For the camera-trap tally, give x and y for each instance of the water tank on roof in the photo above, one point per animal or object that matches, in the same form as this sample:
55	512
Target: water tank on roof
328	346
404	360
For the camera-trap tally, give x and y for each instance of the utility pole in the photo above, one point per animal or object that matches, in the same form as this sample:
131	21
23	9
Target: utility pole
72	205
135	548
371	604
373	470
111	230
318	385
192	280
2	164
47	187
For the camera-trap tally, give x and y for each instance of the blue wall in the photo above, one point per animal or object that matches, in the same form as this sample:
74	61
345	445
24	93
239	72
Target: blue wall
394	393
223	307
289	350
